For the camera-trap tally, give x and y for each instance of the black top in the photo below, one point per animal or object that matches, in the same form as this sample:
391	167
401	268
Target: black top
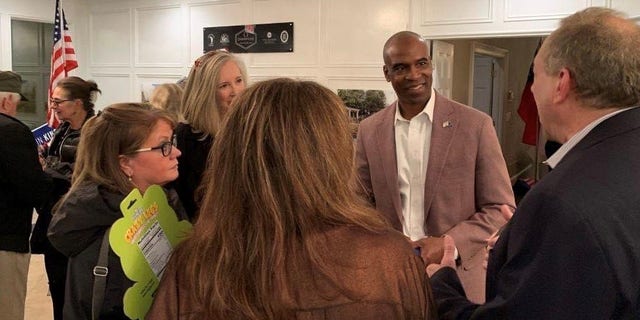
195	147
61	158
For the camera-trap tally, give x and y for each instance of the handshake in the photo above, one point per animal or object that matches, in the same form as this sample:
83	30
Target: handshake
438	252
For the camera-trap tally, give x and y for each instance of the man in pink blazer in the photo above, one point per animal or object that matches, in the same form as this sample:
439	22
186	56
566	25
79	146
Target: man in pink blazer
433	166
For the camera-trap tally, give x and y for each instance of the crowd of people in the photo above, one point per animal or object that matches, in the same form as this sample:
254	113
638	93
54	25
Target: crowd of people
292	220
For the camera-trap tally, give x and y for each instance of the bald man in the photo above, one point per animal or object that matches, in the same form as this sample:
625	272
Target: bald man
433	166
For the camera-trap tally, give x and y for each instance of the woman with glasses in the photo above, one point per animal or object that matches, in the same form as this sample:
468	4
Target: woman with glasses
216	78
282	233
72	101
126	146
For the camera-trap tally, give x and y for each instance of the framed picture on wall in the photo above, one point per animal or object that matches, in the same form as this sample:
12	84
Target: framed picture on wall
363	103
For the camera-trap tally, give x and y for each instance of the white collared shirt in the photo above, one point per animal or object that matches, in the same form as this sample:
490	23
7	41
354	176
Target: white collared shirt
573	141
413	140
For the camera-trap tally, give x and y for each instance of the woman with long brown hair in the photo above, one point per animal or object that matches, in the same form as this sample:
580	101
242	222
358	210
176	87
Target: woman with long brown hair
282	233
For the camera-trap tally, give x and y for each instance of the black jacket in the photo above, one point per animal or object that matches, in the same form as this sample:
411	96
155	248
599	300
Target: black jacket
23	185
77	230
61	157
572	249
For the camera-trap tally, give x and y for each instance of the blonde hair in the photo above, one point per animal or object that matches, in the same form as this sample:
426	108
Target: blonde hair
119	129
168	96
286	152
199	106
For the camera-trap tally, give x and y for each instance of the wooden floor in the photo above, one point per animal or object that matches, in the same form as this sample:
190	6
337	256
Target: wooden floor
38	305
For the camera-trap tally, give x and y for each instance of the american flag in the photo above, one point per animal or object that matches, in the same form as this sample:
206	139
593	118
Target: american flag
63	57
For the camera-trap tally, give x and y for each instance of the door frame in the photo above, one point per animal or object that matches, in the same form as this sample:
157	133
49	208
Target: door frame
39	69
438	67
499	81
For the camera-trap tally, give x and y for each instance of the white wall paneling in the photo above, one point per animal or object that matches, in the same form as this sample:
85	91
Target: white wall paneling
630	7
212	14
5	41
159	37
518	10
435	12
305	16
355	31
110	38
496	18
115	88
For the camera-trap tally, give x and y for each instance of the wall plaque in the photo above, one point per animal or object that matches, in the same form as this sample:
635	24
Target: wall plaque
267	37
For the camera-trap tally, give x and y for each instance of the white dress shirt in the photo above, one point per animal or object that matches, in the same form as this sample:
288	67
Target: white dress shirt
573	141
413	140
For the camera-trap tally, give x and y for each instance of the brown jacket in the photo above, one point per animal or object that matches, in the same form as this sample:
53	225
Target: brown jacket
385	278
466	180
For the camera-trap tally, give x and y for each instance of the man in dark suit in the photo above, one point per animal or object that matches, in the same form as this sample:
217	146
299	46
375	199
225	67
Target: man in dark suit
23	185
572	249
433	166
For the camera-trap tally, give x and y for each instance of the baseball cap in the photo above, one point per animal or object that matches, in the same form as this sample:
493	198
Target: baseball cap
11	82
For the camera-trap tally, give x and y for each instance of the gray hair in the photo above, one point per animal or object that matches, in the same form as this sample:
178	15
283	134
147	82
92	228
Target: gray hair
599	47
14	97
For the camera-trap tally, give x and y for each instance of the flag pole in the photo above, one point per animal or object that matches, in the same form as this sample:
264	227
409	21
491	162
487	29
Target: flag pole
63	57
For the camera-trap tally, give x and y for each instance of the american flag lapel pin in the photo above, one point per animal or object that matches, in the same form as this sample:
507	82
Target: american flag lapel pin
446	124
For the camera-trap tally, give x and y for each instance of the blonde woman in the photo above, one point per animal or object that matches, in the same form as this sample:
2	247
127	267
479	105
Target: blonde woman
282	233
216	78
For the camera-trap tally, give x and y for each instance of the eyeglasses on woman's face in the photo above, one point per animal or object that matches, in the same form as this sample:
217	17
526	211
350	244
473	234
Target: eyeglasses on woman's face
165	147
57	102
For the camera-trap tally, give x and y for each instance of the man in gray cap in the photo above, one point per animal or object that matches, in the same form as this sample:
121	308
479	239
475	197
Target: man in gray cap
23	186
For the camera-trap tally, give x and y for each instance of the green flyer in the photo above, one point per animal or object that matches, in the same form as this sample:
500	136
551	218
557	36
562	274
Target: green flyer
143	239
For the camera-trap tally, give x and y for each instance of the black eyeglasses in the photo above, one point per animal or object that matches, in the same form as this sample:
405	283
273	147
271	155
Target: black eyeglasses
58	102
165	147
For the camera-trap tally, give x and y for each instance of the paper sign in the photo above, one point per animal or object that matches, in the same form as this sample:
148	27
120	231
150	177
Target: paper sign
42	134
144	239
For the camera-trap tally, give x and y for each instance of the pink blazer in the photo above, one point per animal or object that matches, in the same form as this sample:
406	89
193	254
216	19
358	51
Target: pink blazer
466	180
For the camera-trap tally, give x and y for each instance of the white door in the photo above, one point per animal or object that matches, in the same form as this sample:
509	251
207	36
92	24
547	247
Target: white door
442	55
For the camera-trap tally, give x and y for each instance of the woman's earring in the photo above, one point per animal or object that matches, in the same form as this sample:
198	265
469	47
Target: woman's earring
129	176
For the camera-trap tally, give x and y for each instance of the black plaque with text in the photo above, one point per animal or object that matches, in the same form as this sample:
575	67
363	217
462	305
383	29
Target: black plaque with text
267	37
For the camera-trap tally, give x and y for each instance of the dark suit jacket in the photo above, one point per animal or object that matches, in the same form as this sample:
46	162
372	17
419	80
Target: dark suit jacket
466	180
23	184
572	249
